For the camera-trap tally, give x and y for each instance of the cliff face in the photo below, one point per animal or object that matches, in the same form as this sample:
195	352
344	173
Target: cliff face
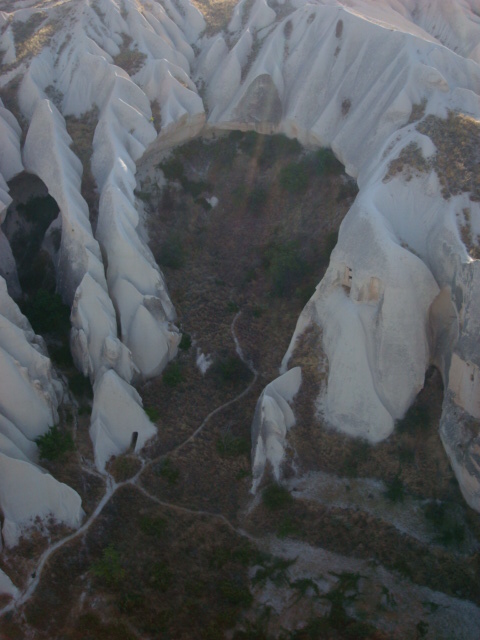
391	87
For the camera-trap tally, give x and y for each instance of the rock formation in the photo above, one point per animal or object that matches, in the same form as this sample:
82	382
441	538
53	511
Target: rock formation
401	291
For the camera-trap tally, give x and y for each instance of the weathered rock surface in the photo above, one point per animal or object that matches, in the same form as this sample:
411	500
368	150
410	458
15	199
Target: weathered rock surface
401	289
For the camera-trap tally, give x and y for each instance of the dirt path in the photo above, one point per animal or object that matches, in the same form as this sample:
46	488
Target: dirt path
112	487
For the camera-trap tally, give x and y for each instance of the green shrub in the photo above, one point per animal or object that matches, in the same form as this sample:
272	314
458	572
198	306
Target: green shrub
257	198
54	444
109	569
288	527
154	526
172	376
84	410
204	203
275	147
294	177
124	467
395	490
232	307
80	385
235	593
185	342
47	313
416	419
449	532
195	188
172	169
230	369
153	413
325	162
276	497
452	535
161	577
230	446
171	253
250	143
61	355
168	472
285	266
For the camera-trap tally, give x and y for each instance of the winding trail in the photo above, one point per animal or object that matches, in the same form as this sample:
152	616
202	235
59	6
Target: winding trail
112	487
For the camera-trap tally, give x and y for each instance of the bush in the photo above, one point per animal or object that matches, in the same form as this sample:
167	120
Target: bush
154	526
172	169
294	177
235	593
171	253
172	376
325	162
124	467
232	307
54	444
185	342
230	446
449	531
285	266
109	569
161	577
47	313
230	369
168	472
395	490
416	419
153	413
80	385
257	198
276	497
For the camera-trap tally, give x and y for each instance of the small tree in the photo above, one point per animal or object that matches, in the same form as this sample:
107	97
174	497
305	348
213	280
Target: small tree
53	444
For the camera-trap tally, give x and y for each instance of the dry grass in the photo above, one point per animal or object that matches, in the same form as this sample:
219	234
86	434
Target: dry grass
82	130
130	60
29	38
217	13
418	111
410	162
457	161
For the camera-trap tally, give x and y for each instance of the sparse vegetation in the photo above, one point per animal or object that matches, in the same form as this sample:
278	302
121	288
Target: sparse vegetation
285	266
30	36
129	59
230	446
47	313
185	342
124	467
153	413
172	253
154	526
395	490
172	376
54	444
416	419
410	159
230	369
168	471
294	177
276	497
109	568
457	161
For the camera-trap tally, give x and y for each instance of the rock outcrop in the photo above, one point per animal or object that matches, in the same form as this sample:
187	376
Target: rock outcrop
401	291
